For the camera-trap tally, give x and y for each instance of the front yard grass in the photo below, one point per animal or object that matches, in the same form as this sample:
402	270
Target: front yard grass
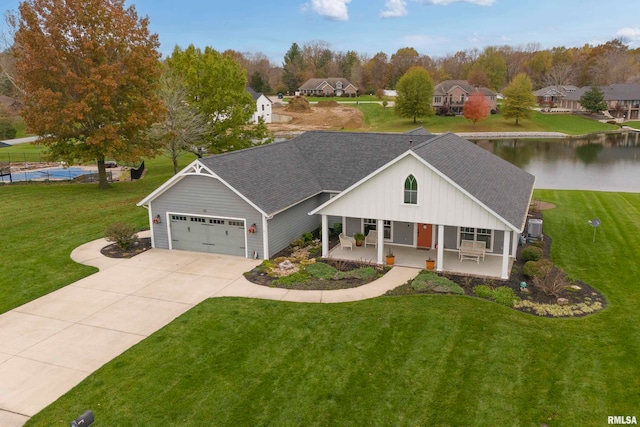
416	360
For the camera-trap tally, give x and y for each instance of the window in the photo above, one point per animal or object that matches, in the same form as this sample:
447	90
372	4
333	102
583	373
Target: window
236	223
216	221
438	99
462	98
371	224
477	234
410	190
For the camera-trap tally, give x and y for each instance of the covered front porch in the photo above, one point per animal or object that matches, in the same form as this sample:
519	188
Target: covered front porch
405	256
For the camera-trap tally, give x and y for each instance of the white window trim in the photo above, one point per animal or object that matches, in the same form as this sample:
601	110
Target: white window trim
475	237
375	223
417	203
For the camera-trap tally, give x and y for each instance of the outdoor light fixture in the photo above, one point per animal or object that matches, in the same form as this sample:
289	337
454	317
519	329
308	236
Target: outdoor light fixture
156	219
84	420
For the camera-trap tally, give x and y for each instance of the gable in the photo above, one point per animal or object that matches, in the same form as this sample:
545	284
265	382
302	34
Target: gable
440	201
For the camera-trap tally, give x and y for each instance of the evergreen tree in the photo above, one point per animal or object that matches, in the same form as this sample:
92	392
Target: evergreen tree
593	100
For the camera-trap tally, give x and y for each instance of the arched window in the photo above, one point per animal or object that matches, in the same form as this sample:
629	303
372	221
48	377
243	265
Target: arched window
411	190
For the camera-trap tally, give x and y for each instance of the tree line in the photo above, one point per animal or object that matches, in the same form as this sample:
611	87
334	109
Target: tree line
493	67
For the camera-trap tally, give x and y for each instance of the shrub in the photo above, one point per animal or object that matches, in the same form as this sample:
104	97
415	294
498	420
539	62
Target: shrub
538	243
531	253
337	228
321	270
483	291
552	281
307	237
121	234
430	280
536	268
504	295
292	279
362	273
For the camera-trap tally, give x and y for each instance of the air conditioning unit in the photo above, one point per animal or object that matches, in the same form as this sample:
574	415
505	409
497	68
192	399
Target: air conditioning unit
534	228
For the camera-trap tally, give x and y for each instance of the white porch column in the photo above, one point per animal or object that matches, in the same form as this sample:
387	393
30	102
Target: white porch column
440	256
265	238
325	236
514	244
344	225
505	255
380	229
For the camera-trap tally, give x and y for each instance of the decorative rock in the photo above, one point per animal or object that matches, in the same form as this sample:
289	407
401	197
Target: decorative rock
576	287
286	265
563	301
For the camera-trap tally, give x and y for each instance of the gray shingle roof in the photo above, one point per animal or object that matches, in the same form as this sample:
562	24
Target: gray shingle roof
281	174
614	92
316	83
445	86
501	186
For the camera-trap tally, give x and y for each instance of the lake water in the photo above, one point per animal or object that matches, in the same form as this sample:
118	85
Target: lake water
606	162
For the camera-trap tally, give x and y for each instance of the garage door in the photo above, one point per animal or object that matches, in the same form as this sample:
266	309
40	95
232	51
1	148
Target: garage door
205	234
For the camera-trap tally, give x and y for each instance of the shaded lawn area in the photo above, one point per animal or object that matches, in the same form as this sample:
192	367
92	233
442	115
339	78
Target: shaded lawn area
418	360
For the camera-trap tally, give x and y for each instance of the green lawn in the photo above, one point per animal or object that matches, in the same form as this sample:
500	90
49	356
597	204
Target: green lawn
419	360
382	119
43	223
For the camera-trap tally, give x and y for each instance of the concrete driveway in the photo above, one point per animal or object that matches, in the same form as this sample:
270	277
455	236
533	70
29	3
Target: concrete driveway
51	344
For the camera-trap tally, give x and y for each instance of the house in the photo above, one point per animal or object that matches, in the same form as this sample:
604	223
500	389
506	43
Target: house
452	94
330	86
551	95
623	99
420	190
263	106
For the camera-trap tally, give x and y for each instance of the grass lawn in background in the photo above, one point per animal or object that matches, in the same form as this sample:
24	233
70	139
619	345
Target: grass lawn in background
418	360
381	119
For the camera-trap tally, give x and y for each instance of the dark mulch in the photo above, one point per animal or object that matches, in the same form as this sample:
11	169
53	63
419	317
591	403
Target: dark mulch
137	247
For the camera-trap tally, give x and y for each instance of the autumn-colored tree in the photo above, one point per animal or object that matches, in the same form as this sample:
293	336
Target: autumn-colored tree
415	93
519	99
215	85
89	70
476	108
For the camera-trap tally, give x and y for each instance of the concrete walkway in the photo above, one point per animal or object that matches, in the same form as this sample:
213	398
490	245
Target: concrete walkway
51	344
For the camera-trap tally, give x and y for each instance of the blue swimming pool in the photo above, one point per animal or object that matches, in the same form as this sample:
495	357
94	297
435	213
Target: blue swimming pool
51	174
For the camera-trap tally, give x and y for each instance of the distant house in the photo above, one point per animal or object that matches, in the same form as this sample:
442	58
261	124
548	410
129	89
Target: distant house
331	86
263	106
454	93
10	104
551	95
621	98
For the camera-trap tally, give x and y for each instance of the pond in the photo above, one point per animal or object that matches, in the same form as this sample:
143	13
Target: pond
606	162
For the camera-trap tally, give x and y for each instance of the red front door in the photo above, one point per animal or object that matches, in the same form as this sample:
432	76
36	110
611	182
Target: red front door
425	232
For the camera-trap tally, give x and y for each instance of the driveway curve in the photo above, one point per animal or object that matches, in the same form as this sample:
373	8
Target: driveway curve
51	344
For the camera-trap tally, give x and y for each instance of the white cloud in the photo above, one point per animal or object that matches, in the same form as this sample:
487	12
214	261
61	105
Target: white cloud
336	10
629	35
394	8
446	2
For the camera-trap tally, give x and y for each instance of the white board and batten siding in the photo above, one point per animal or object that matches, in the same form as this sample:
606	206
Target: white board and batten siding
439	202
206	197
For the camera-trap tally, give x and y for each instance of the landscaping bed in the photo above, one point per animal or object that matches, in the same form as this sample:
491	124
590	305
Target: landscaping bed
135	248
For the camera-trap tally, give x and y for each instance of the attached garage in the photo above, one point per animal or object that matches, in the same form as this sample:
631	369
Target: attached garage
207	234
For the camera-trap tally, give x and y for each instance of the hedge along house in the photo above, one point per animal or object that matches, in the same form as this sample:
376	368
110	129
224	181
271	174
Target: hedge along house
254	202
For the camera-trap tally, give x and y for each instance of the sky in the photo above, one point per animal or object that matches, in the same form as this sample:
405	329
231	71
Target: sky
433	27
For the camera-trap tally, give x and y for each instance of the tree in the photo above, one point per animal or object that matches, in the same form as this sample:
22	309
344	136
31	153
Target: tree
493	64
401	62
215	86
519	99
593	100
184	127
476	108
415	93
89	70
293	67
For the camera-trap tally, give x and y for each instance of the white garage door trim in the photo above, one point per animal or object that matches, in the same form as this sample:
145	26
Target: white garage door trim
226	218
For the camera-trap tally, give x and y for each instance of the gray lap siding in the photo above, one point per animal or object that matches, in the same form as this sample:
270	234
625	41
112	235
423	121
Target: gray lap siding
290	224
207	197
